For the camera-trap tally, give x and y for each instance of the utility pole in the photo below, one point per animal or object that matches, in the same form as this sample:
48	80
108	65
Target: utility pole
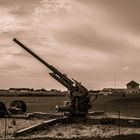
115	81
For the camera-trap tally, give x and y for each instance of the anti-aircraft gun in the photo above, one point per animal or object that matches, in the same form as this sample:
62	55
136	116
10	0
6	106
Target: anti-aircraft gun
79	99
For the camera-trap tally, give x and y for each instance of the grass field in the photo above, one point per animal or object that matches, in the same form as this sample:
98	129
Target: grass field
129	105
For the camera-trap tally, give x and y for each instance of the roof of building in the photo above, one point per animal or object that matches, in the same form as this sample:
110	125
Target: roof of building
132	83
113	89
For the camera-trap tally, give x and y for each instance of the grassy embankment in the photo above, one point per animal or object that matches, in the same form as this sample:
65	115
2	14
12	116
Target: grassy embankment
129	105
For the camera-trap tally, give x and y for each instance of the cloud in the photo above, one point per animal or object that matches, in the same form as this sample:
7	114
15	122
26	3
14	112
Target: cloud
89	40
7	21
125	68
125	13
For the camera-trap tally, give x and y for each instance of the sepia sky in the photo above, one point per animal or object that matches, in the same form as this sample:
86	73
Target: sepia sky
96	42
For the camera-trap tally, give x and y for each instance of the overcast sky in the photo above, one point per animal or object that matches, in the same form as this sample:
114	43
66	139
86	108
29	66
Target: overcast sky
93	41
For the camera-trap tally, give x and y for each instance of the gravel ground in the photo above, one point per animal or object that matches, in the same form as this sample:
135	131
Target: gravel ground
83	130
12	125
67	131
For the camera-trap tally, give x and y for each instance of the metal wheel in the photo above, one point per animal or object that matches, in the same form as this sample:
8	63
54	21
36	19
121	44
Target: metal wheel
18	107
3	109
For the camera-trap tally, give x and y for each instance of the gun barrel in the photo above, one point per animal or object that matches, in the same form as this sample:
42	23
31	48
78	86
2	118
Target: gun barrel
33	54
60	80
65	78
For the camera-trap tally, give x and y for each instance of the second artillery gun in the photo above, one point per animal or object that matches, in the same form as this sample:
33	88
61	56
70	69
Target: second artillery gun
79	99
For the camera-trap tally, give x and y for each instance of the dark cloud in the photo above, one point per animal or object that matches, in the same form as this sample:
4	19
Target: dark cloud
125	13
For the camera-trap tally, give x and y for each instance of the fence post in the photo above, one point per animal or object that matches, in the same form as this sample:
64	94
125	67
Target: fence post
5	127
119	123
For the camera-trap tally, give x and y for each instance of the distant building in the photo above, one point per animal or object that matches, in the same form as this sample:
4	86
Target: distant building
106	91
132	87
120	91
113	91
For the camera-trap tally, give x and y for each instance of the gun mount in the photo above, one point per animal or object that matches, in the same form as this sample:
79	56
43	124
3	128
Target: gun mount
79	99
